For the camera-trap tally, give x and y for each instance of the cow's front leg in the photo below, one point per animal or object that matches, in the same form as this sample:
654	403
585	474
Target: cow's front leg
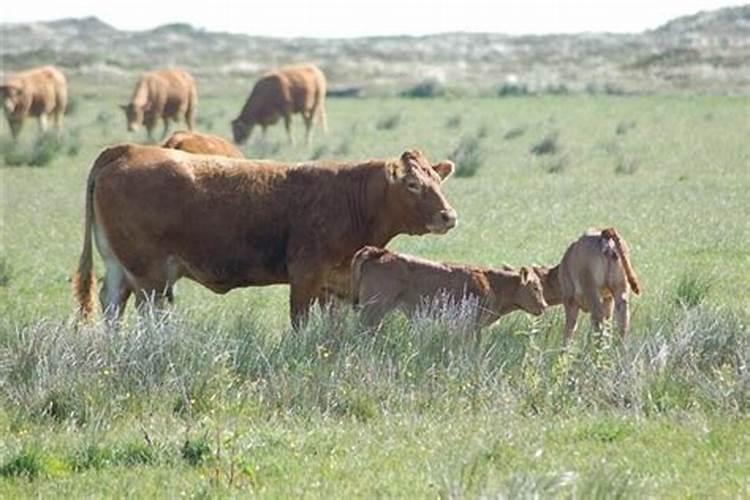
305	285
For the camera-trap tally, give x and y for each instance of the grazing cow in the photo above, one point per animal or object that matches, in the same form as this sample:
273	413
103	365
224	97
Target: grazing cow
169	94
37	92
594	275
384	280
279	94
194	142
158	215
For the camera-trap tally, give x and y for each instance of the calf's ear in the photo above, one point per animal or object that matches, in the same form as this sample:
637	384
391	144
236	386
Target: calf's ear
444	169
525	275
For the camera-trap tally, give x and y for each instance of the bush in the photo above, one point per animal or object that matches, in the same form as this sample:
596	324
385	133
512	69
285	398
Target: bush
453	121
425	90
467	156
389	122
548	145
514	132
513	90
42	151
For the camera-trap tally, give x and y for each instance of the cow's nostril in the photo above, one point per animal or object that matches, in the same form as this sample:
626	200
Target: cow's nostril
448	216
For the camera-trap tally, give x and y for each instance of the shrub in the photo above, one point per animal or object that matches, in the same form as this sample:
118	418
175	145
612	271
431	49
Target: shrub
514	132
388	122
42	151
513	90
555	165
425	90
624	126
453	121
467	156
548	145
195	452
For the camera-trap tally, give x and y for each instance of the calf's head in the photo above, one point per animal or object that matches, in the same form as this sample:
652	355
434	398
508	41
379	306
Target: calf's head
133	116
530	294
415	197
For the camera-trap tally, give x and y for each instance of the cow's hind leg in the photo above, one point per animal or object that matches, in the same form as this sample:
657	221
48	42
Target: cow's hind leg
308	117
115	290
622	314
288	127
43	123
571	318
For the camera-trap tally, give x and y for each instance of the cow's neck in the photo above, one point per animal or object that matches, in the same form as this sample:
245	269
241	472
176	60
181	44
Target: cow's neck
370	221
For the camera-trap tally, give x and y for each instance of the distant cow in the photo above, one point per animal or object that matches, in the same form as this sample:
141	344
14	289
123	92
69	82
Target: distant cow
167	94
38	92
279	94
383	281
194	142
159	215
594	275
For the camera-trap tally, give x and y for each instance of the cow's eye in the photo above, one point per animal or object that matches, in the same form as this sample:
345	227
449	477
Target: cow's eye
413	186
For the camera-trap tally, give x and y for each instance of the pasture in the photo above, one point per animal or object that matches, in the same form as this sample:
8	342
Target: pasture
224	399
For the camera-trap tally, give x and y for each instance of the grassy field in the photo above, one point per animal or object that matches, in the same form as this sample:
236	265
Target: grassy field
225	400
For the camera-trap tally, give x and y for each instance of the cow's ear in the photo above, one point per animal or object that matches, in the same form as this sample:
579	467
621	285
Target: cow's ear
444	169
524	272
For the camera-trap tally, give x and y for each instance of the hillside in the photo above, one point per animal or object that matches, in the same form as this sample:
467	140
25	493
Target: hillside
708	52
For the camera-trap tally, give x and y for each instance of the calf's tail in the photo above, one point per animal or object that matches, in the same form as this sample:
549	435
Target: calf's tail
611	233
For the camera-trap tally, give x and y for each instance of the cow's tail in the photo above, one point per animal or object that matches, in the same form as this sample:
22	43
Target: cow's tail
363	255
84	281
622	253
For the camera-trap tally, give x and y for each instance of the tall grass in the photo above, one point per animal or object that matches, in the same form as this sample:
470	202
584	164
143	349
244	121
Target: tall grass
696	358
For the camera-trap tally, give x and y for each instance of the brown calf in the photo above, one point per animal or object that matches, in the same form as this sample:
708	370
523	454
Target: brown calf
383	281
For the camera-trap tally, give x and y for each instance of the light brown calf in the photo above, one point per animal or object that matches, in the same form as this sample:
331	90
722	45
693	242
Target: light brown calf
383	281
197	143
595	275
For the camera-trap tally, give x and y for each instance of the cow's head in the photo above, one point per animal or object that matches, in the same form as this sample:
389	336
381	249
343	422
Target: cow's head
415	194
241	130
133	116
530	293
11	95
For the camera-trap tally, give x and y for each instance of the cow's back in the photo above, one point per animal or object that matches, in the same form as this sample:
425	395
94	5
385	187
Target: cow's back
220	218
197	143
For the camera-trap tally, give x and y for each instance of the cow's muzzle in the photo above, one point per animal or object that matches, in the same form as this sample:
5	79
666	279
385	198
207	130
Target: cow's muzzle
444	221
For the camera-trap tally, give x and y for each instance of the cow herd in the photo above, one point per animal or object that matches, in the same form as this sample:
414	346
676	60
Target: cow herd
194	207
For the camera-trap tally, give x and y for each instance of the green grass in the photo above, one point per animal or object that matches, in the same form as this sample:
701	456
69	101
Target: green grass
224	400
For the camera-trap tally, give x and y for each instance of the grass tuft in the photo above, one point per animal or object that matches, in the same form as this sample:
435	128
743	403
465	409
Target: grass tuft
692	289
548	145
467	156
389	122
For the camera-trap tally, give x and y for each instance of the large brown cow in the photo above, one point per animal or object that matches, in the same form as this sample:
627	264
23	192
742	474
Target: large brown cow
279	94
383	281
595	275
166	94
158	215
207	144
38	92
